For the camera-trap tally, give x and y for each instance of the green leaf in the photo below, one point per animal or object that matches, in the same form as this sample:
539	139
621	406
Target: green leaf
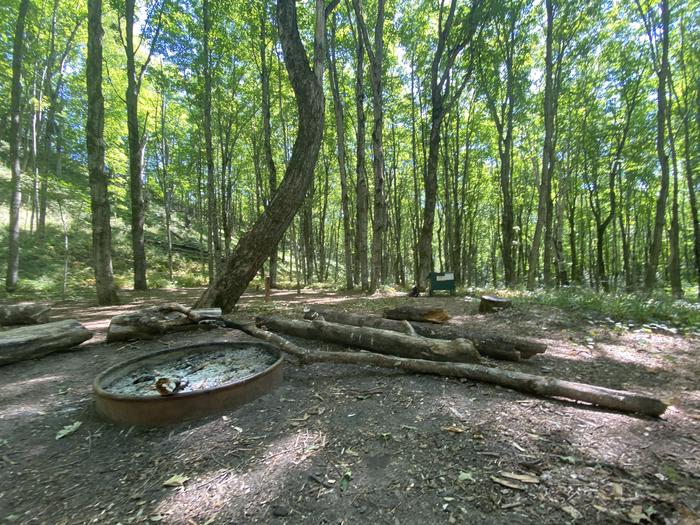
68	429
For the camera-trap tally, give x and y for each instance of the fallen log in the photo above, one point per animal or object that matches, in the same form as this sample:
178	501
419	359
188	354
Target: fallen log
485	341
155	321
31	342
485	347
426	314
377	340
620	400
24	313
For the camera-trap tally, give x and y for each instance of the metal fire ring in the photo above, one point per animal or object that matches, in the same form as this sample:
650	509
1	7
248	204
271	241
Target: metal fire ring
162	410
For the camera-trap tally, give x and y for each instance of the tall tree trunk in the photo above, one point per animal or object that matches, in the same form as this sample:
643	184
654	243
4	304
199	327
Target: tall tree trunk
361	189
136	152
99	181
267	131
376	59
545	190
340	139
212	209
15	140
257	245
662	68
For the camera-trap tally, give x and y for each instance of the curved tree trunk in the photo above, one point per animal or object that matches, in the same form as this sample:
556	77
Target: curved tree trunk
257	245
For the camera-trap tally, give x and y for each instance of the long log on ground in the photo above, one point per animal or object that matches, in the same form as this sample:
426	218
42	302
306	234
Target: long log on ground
381	341
426	314
504	352
31	342
155	321
620	400
484	340
24	313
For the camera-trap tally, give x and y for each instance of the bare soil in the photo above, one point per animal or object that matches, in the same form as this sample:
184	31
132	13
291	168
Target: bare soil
345	444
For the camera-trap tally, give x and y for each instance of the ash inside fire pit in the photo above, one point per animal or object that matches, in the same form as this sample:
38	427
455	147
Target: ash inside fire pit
191	373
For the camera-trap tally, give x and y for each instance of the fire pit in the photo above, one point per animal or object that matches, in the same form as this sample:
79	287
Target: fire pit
187	383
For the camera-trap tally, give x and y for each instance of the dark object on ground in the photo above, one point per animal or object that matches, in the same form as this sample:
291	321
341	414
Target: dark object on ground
24	313
441	281
414	291
490	304
418	313
158	320
620	400
487	345
182	406
31	342
377	340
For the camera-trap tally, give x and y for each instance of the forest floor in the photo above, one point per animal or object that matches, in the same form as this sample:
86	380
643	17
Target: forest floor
348	444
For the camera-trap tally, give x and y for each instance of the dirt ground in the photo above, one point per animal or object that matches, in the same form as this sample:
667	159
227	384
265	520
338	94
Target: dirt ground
348	444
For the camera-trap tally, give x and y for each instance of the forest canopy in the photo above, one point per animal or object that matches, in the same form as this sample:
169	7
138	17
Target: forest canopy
516	143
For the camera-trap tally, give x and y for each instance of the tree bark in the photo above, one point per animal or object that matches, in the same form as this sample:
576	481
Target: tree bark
661	68
620	400
546	176
24	313
361	190
340	138
31	342
376	60
376	340
14	154
418	313
493	347
136	151
257	245
214	241
267	131
99	180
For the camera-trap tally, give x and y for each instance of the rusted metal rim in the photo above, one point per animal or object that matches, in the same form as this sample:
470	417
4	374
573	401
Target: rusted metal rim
162	410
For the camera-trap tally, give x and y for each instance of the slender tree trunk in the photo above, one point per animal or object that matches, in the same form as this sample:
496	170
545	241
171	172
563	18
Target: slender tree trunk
267	131
340	139
546	176
136	152
376	59
99	181
257	245
661	105
15	141
212	209
361	189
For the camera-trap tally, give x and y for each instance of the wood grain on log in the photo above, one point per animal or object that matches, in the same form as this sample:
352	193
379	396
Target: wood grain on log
619	400
487	344
427	314
31	342
155	321
24	313
382	341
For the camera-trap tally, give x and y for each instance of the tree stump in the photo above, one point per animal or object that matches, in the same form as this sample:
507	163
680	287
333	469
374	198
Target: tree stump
24	313
30	342
491	304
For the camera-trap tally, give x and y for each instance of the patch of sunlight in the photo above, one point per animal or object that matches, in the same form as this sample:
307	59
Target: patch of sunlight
222	487
23	385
